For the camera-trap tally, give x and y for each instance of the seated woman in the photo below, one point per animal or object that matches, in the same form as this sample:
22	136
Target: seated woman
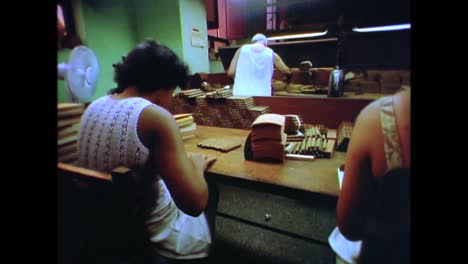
131	127
374	202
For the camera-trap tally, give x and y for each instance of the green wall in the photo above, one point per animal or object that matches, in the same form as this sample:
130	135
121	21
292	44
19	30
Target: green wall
193	15
113	27
159	20
216	66
109	34
171	23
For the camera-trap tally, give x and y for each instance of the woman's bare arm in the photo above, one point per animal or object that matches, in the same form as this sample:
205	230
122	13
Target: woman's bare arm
232	67
184	176
355	195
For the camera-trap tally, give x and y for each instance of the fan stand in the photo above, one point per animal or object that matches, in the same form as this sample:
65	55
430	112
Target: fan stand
73	98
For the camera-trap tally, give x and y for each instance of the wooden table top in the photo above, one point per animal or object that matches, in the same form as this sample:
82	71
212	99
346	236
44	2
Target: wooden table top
318	176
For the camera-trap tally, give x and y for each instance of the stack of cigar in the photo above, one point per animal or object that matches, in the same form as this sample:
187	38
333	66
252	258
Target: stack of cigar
344	135
293	123
212	112
187	125
242	102
201	112
239	110
318	141
182	105
218	108
219	113
293	128
68	123
267	138
257	111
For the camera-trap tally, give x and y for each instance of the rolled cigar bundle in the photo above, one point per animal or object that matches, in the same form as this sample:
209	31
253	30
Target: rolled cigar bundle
316	139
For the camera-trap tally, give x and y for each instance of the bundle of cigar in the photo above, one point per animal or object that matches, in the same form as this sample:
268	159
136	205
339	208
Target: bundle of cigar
316	142
220	93
293	128
200	112
293	123
68	124
187	125
212	112
190	93
258	111
278	85
219	113
294	88
209	87
344	135
218	108
221	144
239	110
181	104
241	102
267	138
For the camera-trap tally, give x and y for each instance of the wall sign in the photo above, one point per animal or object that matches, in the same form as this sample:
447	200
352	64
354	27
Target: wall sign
197	38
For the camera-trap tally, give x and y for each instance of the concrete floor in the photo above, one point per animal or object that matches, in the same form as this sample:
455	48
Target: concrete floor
297	231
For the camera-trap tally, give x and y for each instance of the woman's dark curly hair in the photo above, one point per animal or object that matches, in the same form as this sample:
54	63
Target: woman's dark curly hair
149	67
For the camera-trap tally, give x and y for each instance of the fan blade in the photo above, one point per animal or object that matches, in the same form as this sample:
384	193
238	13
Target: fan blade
83	74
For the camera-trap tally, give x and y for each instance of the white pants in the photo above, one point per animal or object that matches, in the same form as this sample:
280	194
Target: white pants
341	261
346	251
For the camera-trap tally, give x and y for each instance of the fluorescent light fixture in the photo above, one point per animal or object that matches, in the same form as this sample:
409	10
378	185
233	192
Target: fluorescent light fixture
384	28
296	36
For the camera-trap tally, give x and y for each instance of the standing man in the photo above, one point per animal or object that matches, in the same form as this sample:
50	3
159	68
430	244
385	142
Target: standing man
252	68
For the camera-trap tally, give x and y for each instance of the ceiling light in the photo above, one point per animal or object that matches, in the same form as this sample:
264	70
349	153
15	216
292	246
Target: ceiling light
384	28
296	36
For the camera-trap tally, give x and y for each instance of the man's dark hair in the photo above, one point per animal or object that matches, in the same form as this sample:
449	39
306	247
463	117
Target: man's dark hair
150	66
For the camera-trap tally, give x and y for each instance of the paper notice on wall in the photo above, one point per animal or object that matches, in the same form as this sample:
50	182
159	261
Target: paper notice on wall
197	37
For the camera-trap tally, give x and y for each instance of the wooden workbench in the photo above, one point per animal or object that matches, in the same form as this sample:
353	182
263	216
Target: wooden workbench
317	176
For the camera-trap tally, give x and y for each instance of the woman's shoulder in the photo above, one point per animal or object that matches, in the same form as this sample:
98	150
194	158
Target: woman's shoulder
156	120
99	101
156	113
371	110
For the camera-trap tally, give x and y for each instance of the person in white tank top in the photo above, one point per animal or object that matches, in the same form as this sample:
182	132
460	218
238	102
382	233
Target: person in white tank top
131	127
252	68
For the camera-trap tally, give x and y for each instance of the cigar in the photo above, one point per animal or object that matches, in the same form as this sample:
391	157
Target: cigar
289	147
309	144
324	145
296	147
300	157
312	144
329	149
318	143
303	146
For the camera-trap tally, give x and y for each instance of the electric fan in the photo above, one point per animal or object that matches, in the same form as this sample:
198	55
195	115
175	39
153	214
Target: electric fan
81	74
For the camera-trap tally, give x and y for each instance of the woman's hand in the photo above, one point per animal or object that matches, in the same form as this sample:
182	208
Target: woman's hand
201	161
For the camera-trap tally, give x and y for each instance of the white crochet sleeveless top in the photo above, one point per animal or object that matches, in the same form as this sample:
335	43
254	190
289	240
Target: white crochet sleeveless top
107	139
108	134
